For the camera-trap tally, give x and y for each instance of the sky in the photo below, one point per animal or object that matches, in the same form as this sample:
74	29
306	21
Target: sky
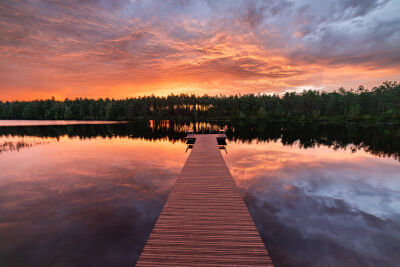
129	48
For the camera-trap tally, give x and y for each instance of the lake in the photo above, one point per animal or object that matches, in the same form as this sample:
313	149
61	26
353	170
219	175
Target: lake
89	194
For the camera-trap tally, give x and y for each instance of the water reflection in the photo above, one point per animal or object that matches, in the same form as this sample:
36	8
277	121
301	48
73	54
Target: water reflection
89	195
83	202
320	207
51	122
17	145
379	140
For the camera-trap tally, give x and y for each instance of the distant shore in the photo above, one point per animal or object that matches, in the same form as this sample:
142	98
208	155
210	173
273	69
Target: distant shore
379	104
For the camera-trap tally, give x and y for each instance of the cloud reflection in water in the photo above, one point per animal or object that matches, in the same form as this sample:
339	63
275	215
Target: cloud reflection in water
92	198
83	202
320	207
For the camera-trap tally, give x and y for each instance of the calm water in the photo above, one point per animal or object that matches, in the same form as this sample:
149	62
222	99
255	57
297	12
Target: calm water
89	195
51	122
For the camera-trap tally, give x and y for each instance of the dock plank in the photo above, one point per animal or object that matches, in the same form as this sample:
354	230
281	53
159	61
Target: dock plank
205	221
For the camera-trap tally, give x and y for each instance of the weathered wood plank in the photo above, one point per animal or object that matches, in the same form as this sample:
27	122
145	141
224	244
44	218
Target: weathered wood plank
205	221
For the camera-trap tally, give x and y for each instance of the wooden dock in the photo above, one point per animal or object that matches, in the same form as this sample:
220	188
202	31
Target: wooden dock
205	221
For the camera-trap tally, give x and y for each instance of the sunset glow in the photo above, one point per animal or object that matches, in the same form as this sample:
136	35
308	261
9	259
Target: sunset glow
118	49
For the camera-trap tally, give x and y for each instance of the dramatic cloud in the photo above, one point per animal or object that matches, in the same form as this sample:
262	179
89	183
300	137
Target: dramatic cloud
99	48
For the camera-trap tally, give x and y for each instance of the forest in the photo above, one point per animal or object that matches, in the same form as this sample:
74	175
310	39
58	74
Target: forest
381	103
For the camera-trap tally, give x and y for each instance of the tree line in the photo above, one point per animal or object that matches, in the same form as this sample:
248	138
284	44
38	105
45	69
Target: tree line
381	103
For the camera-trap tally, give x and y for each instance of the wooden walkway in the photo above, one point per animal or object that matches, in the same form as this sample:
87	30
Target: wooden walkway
205	221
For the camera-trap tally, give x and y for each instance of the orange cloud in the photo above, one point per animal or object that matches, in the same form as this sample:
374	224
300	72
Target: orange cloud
123	49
